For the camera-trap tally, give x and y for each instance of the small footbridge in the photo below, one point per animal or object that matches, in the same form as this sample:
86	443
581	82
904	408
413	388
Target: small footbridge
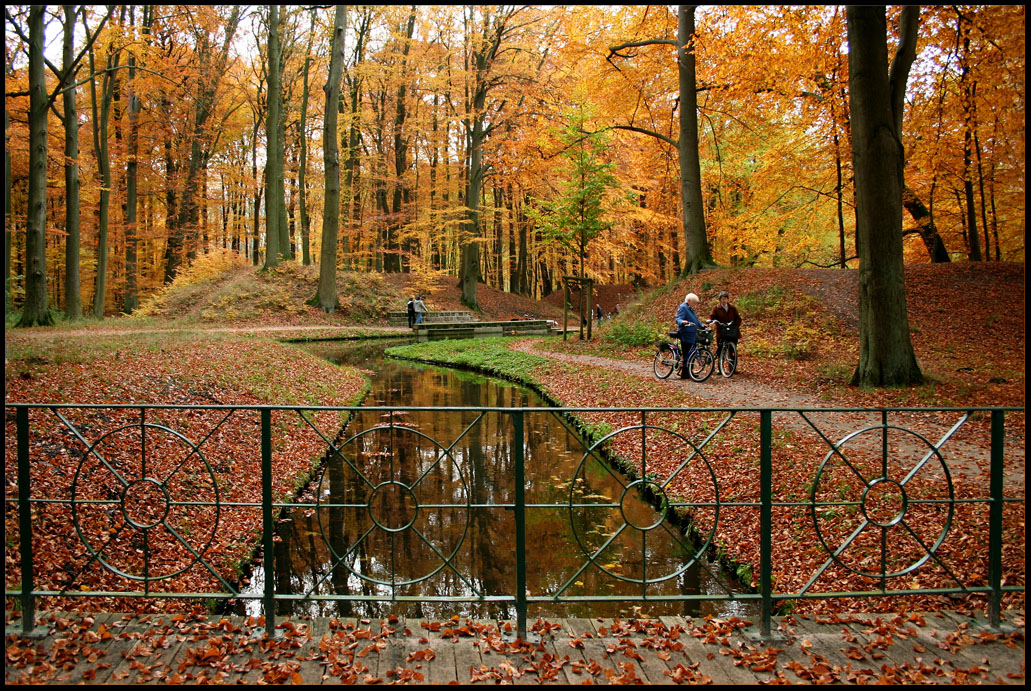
463	324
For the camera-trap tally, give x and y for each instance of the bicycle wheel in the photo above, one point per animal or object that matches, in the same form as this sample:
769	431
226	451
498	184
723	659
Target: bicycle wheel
665	362
701	364
728	359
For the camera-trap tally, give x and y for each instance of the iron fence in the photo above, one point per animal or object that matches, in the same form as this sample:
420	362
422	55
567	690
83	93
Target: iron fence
161	502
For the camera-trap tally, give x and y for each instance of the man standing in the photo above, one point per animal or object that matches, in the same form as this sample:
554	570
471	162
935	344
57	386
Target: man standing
411	312
688	324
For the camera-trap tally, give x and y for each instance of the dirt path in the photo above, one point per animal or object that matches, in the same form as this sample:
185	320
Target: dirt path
967	453
50	333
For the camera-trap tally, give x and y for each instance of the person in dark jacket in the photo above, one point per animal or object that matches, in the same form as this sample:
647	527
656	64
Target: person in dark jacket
411	312
688	324
728	314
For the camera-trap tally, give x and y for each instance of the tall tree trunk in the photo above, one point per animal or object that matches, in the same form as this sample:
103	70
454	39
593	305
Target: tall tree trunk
35	311
469	270
401	193
696	246
886	356
968	147
131	301
352	169
302	168
72	208
326	298
522	281
212	66
274	195
8	215
983	205
481	59
101	119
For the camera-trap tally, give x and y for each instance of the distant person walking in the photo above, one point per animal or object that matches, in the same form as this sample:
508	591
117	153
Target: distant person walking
411	312
420	309
598	312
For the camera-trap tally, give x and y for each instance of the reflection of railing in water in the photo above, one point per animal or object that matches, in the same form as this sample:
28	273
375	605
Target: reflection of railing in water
146	489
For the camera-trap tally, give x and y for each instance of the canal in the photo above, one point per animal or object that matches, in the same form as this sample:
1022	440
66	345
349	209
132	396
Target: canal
422	507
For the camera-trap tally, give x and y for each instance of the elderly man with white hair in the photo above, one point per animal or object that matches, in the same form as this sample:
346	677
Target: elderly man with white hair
688	324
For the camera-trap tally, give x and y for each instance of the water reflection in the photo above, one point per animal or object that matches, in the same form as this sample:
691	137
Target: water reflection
419	504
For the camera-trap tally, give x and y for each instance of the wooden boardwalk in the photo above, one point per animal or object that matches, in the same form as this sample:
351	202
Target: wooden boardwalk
123	649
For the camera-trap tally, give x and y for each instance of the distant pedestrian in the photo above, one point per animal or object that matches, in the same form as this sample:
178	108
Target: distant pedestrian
598	312
420	309
411	312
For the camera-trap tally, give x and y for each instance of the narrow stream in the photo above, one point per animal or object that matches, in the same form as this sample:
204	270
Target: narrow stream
403	518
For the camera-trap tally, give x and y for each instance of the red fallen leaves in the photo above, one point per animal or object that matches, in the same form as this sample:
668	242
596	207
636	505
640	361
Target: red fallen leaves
185	371
544	627
421	655
687	674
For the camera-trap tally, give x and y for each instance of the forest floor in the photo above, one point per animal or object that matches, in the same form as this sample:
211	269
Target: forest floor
210	340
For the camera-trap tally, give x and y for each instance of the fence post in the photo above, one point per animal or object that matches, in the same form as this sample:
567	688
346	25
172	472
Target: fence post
28	601
995	519
520	523
766	520
268	524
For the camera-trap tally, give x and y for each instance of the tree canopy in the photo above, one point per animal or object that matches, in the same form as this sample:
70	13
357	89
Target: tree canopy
443	126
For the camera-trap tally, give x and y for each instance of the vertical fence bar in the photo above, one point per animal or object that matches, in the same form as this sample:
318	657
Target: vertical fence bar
267	524
995	519
520	522
766	520
28	601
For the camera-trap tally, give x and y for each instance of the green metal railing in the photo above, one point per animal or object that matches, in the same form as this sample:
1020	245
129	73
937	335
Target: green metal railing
134	502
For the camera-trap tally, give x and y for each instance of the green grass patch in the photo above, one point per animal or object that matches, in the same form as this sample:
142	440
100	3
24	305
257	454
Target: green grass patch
490	355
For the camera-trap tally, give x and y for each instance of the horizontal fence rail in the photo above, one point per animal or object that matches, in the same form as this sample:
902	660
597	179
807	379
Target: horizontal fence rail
131	501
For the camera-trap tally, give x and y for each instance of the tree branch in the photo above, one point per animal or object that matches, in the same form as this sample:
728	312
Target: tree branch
641	130
614	50
905	55
836	263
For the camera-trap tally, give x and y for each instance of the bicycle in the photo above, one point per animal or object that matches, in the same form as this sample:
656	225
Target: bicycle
726	353
700	362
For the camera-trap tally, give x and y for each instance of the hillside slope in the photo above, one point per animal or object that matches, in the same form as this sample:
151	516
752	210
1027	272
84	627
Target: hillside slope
219	289
802	325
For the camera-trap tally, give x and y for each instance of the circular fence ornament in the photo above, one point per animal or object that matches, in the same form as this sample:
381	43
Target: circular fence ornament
612	518
882	502
145	502
393	506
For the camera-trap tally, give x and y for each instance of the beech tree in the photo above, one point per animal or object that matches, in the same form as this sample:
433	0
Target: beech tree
495	25
876	98
327	299
36	310
101	119
696	246
72	207
274	190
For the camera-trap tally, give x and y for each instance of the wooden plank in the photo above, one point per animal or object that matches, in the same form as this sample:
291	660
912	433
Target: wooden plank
68	661
828	648
547	663
650	668
602	665
706	657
